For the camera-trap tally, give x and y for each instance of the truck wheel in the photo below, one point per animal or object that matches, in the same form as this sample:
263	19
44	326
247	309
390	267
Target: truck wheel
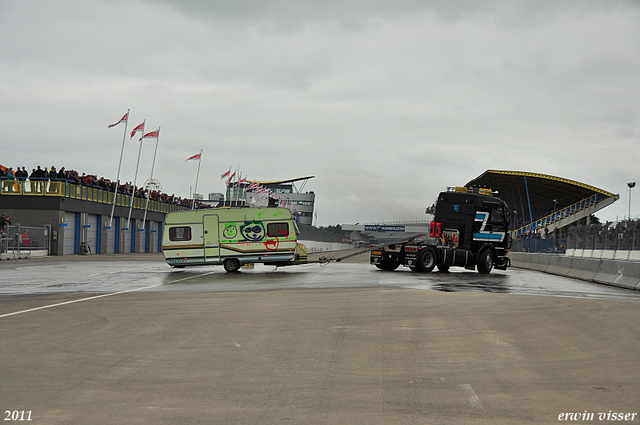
427	260
388	265
443	267
231	265
485	261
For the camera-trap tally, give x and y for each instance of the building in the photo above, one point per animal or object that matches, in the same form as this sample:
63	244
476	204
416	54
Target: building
81	217
290	192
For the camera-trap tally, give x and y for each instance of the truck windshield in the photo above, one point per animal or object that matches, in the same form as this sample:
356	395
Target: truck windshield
497	215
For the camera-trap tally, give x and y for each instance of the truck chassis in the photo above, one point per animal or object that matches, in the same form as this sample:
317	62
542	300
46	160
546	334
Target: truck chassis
424	257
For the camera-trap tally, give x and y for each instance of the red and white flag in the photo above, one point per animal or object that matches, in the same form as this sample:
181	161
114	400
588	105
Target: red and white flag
151	135
222	176
198	156
253	186
123	119
138	128
241	181
231	178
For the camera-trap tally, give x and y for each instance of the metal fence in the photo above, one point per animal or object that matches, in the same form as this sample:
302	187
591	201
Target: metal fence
619	236
535	243
17	238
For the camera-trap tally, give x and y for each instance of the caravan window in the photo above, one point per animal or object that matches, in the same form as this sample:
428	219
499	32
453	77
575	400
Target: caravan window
180	234
277	230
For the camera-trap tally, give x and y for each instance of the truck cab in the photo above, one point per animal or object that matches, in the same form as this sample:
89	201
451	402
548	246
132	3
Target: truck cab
470	229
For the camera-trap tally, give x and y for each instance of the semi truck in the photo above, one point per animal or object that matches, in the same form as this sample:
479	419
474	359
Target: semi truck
470	229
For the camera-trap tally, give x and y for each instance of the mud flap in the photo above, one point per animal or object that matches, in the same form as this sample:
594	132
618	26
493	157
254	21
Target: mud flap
502	263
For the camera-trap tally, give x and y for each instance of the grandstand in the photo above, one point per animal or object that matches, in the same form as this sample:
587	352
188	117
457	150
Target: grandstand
541	202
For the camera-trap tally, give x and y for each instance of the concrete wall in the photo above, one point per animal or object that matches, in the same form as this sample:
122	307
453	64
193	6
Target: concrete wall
625	274
624	255
314	246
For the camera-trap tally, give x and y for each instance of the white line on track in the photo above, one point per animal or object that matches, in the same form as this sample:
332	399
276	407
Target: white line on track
473	397
97	296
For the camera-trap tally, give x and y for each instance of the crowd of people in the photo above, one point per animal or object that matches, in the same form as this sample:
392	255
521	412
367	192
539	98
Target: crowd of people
39	175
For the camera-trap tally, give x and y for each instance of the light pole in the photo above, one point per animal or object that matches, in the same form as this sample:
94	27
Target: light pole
555	224
631	186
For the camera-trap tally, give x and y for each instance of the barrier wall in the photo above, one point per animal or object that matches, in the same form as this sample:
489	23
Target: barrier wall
315	246
624	255
625	274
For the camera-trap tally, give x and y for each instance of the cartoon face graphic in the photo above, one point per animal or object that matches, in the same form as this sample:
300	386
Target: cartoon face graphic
230	232
252	231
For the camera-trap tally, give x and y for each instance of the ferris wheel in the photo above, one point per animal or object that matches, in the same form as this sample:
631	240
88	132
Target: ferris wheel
152	185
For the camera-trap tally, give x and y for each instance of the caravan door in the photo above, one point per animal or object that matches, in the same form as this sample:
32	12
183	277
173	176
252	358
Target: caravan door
211	238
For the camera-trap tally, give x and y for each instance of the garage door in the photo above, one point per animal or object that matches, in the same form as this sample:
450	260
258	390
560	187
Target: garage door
153	236
91	227
69	246
111	237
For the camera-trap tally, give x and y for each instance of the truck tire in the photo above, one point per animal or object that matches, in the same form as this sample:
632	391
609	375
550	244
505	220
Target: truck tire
443	267
485	261
388	265
231	265
427	260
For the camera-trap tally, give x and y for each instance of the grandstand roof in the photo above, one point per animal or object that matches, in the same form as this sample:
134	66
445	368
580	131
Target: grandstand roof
515	187
281	181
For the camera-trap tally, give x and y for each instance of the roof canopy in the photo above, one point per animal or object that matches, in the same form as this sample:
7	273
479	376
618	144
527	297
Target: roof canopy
281	181
516	187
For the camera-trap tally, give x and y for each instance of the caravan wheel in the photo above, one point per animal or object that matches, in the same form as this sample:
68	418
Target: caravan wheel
231	265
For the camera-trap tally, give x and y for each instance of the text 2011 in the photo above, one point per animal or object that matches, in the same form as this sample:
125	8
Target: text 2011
17	415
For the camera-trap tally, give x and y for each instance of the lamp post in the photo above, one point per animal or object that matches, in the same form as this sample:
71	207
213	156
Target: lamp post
631	186
555	224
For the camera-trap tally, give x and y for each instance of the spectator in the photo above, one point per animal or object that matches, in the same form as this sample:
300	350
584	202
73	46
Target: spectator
37	177
9	180
26	241
4	221
53	186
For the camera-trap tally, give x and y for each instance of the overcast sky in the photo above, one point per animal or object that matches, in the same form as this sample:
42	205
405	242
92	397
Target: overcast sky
385	102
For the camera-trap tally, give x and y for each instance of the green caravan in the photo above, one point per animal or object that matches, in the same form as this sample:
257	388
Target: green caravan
232	237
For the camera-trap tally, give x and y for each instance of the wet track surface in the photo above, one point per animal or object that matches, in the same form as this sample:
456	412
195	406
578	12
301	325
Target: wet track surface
108	339
99	276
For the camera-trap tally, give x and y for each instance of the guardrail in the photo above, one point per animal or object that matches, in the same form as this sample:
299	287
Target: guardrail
625	274
35	187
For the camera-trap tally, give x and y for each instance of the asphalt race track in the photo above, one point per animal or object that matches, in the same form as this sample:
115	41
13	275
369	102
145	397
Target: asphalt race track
127	339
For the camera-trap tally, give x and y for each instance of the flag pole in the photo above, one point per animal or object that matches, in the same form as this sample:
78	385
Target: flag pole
153	165
115	192
193	201
133	190
237	185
